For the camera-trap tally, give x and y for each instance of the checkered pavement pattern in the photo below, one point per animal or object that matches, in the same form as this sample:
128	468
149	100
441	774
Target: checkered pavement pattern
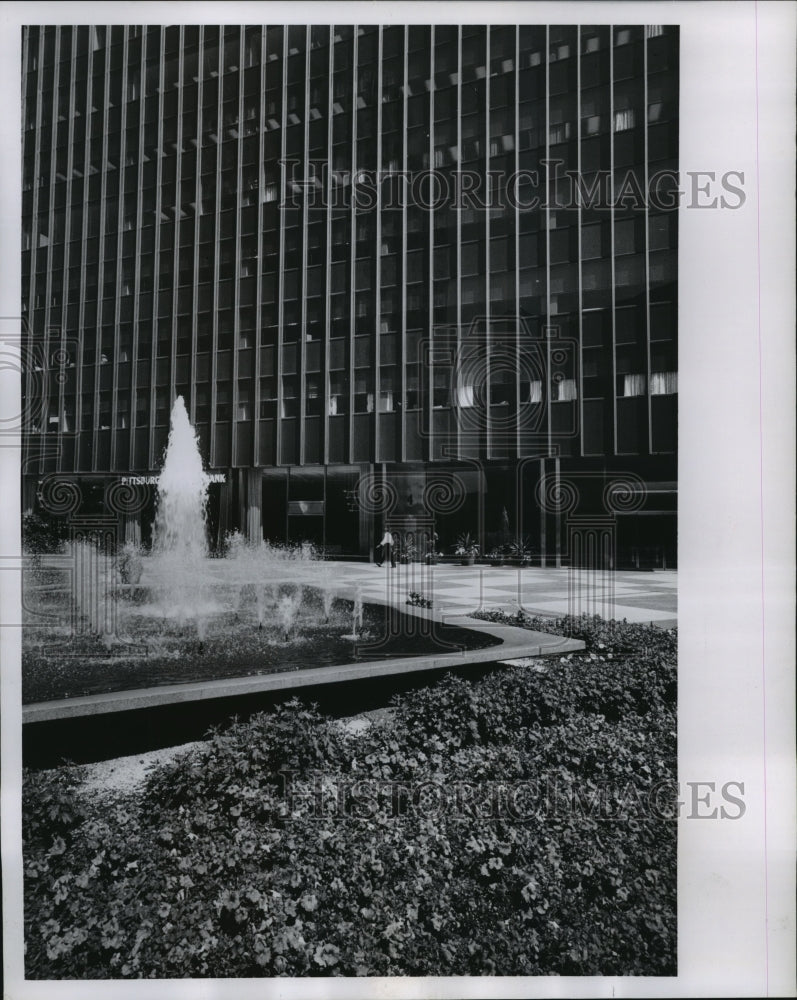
640	597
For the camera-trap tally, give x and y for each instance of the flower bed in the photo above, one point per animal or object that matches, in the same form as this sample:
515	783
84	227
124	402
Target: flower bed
518	825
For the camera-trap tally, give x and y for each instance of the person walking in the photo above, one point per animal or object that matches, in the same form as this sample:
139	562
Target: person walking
386	550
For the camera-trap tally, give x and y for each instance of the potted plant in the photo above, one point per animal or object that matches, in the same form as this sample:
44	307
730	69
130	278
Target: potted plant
467	548
497	555
521	552
129	563
407	554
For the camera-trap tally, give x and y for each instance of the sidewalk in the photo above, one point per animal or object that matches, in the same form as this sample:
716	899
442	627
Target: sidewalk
640	597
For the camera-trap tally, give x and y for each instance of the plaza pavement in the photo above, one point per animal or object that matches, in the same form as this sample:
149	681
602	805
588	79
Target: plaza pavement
637	596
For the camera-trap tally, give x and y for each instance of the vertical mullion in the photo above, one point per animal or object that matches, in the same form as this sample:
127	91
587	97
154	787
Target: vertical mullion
353	243
647	238
197	216
214	329
579	278
304	222
431	217
488	424
458	209
378	248
259	237
100	252
326	367
79	375
548	319
122	170
176	245
156	263
137	252
403	188
281	259
615	441
236	290
50	203
517	324
67	240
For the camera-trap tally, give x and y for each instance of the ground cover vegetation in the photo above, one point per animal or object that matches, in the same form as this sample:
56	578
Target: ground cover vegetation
521	824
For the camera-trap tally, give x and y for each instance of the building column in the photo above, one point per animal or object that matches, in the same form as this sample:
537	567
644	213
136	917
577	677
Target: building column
29	487
131	528
558	513
253	493
543	515
367	538
225	502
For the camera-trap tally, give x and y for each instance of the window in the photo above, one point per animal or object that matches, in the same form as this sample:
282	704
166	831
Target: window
363	393
654	111
654	30
465	394
442	389
338	394
663	383
386	392
289	394
312	397
591	242
592	125
633	385
413	396
623	120
502	388
624	237
565	390
244	401
659	232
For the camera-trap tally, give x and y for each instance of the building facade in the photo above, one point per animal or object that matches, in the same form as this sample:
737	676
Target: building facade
415	277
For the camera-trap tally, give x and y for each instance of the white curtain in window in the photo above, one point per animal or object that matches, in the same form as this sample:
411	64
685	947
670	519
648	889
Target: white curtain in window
623	120
566	390
386	401
535	392
464	394
663	383
634	385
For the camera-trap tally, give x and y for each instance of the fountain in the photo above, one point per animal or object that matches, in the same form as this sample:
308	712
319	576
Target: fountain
182	491
180	546
265	608
287	610
356	616
328	592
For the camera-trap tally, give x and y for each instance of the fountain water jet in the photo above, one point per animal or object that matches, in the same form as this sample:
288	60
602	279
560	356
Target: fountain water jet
182	492
356	616
287	610
327	590
180	539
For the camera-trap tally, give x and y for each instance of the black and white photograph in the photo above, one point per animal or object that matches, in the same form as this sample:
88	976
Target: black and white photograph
375	610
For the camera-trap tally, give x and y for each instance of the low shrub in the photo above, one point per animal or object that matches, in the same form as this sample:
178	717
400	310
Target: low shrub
42	533
517	825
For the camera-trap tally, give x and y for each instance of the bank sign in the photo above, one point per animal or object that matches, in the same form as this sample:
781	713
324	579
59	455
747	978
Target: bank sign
210	477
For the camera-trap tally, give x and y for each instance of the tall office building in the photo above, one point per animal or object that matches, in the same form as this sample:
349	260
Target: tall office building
420	276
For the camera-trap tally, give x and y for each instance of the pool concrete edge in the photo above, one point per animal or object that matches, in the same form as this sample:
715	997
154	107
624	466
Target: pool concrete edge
515	643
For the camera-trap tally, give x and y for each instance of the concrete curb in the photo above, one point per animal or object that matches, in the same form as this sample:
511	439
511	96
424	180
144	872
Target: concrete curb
514	644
